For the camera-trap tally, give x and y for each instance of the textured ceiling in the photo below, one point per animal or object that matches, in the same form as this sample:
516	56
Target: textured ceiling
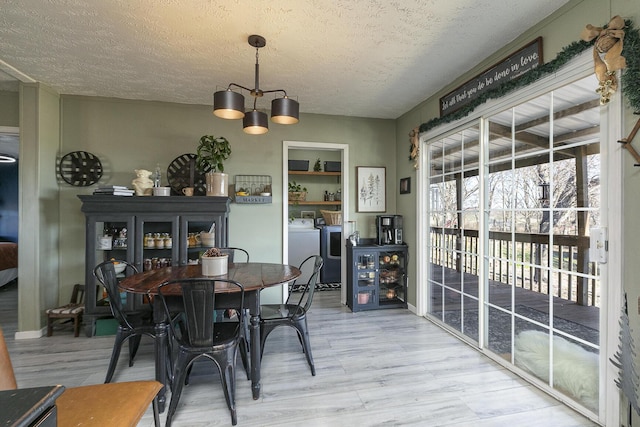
367	58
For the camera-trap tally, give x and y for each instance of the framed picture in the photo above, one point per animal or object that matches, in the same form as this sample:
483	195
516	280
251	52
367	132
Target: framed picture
308	214
405	185
372	195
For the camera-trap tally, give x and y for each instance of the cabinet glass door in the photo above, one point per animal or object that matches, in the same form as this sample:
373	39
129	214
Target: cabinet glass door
111	243
156	242
199	233
391	271
367	280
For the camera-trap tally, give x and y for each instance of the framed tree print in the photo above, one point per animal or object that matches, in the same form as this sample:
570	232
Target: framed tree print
372	195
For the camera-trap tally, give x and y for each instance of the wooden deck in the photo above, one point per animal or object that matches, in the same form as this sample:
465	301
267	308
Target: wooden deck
565	312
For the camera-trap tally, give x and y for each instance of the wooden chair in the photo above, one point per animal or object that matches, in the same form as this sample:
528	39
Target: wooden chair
72	311
115	404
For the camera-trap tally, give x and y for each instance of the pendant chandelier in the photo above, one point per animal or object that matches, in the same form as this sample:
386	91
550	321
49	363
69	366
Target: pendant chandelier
228	104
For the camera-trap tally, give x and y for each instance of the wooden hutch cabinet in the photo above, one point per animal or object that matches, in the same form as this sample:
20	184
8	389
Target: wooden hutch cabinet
149	232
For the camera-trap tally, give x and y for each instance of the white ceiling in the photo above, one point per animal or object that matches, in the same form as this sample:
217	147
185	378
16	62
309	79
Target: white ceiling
366	58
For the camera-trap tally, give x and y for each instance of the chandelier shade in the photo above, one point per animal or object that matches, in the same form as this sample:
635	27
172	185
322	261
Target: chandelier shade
285	111
255	123
228	104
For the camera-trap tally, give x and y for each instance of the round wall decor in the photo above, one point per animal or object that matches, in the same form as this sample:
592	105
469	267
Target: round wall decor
80	168
182	172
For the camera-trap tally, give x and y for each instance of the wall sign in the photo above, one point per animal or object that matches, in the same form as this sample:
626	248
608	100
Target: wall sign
516	64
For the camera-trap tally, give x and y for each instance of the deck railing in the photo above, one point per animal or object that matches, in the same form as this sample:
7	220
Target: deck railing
527	260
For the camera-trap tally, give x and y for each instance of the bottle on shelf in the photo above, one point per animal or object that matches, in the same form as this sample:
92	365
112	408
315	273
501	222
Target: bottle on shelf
157	181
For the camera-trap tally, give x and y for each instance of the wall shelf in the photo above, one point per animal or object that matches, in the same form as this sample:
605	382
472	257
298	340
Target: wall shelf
315	173
319	202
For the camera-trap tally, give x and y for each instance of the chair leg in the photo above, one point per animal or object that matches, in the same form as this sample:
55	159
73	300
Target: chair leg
115	354
228	376
182	367
265	330
156	412
76	326
303	335
134	343
50	321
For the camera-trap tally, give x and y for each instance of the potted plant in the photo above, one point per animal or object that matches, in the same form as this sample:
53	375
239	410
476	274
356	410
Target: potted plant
297	193
214	262
210	156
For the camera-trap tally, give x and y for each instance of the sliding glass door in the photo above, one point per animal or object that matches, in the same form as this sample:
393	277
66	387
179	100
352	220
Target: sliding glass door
512	198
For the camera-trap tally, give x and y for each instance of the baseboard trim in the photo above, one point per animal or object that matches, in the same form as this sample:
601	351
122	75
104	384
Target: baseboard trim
29	335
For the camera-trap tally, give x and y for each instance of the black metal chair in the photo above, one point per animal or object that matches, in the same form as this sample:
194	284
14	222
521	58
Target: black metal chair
132	324
236	254
293	314
202	337
239	255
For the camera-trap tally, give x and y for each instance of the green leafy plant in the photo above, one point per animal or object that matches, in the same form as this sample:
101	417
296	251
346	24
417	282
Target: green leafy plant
212	152
316	166
294	187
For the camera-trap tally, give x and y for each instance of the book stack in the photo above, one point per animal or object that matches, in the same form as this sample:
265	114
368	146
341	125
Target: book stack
113	190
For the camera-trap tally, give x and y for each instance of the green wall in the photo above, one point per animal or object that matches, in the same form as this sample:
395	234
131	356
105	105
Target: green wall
9	109
128	135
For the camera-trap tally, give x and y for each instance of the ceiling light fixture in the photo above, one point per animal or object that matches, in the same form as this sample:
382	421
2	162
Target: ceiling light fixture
7	159
228	104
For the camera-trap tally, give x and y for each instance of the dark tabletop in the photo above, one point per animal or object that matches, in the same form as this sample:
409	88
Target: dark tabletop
252	275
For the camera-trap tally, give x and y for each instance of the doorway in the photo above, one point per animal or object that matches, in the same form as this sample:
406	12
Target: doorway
314	150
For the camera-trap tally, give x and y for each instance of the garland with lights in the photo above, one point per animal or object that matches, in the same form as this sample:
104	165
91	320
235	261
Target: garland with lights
630	77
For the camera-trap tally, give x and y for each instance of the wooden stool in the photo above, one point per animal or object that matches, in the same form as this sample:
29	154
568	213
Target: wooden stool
73	310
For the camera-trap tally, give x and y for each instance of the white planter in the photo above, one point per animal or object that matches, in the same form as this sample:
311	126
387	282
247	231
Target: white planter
215	266
217	184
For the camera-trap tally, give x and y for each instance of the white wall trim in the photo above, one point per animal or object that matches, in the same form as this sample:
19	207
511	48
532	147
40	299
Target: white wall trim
345	186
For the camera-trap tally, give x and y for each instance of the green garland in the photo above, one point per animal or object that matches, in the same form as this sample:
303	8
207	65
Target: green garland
630	77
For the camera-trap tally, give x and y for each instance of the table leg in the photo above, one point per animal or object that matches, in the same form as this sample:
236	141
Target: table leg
161	362
254	331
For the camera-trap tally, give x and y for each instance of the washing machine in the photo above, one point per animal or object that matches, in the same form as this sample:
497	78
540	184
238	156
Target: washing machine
304	241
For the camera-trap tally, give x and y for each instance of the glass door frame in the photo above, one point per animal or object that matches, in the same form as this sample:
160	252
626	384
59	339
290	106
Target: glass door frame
611	125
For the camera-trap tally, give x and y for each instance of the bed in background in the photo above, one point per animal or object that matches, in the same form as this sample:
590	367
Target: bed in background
8	262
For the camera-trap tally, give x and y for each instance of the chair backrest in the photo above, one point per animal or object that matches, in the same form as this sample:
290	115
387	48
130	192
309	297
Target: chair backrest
7	376
105	273
236	254
199	302
77	296
308	289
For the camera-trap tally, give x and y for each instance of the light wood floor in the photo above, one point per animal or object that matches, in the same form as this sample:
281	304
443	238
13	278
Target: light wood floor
377	368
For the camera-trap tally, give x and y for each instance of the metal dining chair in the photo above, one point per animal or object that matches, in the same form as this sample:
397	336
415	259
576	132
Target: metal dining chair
132	324
239	255
201	337
293	314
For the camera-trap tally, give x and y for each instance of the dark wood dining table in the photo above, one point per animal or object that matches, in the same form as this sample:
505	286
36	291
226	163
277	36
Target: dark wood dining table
254	276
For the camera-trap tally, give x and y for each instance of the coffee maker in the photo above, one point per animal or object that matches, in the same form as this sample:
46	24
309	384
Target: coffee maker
389	229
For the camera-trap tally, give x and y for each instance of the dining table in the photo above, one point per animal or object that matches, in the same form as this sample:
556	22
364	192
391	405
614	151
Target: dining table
254	276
